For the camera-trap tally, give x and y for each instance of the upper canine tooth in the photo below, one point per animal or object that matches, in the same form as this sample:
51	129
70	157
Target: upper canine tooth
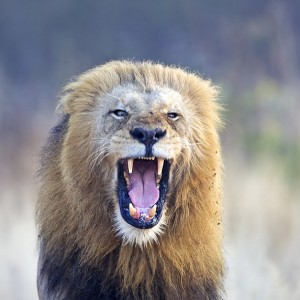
130	165
160	165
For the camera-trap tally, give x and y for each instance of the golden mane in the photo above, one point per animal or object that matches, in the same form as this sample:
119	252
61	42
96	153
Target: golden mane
74	211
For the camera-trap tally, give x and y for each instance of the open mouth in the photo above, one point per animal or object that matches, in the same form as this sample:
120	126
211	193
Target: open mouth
142	189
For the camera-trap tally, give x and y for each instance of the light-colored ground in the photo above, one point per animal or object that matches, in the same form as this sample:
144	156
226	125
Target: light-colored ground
18	250
262	240
262	221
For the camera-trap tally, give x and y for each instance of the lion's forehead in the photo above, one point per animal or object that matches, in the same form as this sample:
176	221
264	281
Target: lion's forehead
135	99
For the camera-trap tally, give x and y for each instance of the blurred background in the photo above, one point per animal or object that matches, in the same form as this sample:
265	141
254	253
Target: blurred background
249	48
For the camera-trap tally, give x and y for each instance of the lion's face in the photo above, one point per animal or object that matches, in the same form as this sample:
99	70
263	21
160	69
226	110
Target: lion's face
143	134
140	138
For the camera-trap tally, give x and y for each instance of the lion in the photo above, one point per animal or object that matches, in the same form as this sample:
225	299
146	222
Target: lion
131	187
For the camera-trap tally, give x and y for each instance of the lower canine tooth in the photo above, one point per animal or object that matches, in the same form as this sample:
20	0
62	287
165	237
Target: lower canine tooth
152	211
132	210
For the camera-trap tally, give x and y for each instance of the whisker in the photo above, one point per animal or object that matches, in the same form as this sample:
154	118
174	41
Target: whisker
100	152
100	139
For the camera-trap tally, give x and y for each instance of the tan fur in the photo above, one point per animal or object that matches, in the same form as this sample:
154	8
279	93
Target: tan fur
77	199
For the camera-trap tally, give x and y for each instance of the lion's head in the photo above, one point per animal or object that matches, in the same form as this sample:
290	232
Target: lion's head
131	186
140	131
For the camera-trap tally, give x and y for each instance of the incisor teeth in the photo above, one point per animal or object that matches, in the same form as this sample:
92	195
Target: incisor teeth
146	158
152	211
132	210
130	165
160	165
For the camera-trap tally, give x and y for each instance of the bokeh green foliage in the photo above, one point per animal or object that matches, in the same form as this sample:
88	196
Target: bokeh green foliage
264	119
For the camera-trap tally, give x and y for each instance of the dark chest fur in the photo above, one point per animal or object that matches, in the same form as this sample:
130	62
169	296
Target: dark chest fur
67	280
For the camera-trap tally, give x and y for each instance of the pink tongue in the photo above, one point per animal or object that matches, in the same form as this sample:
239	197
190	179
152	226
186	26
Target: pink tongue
143	191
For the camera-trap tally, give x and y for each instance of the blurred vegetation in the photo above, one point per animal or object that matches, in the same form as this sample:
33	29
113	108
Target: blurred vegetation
264	121
248	47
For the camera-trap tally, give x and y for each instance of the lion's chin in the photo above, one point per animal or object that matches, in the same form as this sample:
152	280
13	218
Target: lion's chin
134	236
142	190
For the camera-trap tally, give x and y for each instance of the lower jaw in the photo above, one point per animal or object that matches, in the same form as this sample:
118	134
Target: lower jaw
141	222
135	236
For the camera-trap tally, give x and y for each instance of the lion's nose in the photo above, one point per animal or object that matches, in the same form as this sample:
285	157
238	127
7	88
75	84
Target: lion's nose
147	137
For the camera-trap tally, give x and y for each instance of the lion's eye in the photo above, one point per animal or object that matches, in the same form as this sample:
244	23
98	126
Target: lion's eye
173	116
119	113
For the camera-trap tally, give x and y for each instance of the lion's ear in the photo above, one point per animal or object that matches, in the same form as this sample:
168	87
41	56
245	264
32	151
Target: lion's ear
64	105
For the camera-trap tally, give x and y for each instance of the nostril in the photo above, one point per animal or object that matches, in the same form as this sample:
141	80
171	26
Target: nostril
147	136
158	133
139	134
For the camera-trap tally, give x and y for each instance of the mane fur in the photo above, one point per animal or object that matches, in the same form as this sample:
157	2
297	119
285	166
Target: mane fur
81	255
